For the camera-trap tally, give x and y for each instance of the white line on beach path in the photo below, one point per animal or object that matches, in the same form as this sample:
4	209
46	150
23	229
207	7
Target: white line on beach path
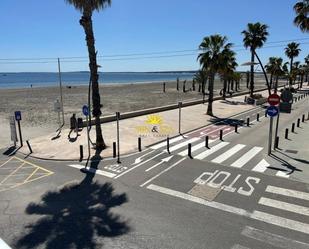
284	206
288	192
162	144
273	239
280	221
256	215
138	165
213	149
282	174
178	146
162	172
95	171
194	148
228	153
246	157
261	166
139	159
3	245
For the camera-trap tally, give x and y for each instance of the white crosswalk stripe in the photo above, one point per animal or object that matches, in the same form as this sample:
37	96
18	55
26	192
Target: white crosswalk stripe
228	153
237	246
163	144
288	192
284	206
178	146
272	239
194	148
283	174
213	149
246	157
261	166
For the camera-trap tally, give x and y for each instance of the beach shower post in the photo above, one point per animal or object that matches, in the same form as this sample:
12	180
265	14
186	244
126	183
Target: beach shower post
118	143
179	118
61	95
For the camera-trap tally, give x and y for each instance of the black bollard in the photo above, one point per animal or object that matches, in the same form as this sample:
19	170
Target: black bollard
81	153
248	121
114	150
206	142
276	142
189	150
303	118
168	145
265	114
221	135
30	149
139	144
286	133
293	127
236	128
258	117
298	122
164	87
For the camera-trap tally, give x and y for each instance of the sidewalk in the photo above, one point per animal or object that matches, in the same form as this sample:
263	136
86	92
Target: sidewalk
192	117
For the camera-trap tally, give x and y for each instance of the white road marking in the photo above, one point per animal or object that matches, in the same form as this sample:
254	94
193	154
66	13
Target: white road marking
284	206
281	222
228	153
139	159
213	149
3	245
237	246
157	164
282	174
162	144
273	239
188	197
246	157
162	172
194	148
138	165
288	192
261	166
95	171
178	146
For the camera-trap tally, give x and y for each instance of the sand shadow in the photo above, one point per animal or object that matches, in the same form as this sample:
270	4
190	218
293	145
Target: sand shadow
79	215
227	121
229	102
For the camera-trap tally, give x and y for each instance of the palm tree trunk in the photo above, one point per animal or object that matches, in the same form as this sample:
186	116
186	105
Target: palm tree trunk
271	80
224	88
265	75
276	85
211	94
291	68
86	22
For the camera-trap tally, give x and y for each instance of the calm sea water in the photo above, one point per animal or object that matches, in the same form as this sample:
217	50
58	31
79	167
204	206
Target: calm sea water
24	80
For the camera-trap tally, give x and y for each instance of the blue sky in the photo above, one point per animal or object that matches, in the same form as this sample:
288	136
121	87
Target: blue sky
50	29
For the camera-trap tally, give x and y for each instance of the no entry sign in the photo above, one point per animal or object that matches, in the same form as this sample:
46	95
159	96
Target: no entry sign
274	99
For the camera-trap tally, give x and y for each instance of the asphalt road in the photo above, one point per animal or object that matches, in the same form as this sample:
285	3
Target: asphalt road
230	195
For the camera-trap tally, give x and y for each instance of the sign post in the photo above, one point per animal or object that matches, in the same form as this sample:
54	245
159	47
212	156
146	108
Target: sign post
18	118
118	142
179	120
272	111
86	113
13	130
57	108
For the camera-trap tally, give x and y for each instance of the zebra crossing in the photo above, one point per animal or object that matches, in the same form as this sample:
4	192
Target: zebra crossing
221	152
278	207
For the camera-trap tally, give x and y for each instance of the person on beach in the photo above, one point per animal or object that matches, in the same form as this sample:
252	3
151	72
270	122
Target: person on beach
73	125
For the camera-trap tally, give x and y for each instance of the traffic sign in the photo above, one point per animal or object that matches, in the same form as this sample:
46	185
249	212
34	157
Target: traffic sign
272	111
286	96
274	99
85	110
17	115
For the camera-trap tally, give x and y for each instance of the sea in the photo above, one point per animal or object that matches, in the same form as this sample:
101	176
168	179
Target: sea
39	79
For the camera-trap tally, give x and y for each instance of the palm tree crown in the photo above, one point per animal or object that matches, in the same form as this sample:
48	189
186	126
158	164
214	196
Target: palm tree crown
292	50
302	19
255	36
81	5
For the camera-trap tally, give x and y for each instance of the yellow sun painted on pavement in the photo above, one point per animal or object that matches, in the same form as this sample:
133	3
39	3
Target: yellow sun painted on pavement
154	120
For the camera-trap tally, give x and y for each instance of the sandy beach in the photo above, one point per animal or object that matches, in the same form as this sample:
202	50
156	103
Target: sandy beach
37	104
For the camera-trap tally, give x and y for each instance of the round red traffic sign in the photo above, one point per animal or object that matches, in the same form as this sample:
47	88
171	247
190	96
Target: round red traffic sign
274	99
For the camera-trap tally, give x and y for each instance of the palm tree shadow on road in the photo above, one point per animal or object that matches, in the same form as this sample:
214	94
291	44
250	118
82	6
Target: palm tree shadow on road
75	216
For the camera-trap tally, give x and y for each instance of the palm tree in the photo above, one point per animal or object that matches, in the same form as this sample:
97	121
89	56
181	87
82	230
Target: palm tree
237	78
214	49
292	50
227	69
278	70
201	78
302	15
254	37
86	7
270	67
307	67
